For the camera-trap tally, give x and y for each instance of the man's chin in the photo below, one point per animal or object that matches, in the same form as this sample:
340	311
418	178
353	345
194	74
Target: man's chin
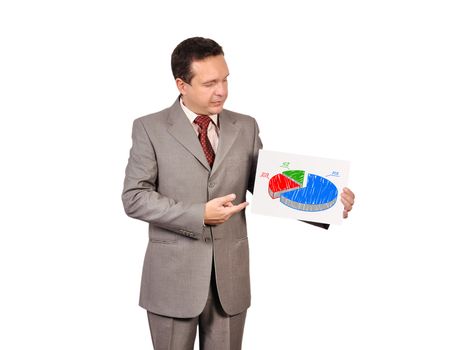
216	109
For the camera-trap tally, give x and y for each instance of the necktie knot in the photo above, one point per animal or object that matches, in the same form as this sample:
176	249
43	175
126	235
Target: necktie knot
203	121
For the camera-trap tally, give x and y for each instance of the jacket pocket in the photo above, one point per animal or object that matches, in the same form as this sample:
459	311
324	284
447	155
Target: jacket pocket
162	241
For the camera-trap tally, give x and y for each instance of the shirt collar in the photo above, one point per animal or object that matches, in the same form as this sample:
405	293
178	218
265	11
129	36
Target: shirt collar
192	115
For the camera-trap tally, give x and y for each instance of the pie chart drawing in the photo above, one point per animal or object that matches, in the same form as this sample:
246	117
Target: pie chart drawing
318	193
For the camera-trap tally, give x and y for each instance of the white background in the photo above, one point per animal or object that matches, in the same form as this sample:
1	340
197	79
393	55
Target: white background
375	82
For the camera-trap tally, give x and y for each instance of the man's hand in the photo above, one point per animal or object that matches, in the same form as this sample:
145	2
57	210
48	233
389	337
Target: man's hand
348	199
219	210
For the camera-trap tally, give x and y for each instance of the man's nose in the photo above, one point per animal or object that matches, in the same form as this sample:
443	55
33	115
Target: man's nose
221	89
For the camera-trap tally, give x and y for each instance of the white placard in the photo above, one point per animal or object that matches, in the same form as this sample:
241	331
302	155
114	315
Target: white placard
299	187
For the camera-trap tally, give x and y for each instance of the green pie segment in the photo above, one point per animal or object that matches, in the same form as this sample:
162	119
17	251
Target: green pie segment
295	175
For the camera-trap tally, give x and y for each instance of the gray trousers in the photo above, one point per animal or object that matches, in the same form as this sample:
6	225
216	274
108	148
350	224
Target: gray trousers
218	331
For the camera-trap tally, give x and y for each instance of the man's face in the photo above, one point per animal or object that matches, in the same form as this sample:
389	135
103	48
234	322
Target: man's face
207	90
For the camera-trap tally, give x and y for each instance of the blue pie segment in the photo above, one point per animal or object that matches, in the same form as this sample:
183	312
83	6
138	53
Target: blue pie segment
318	194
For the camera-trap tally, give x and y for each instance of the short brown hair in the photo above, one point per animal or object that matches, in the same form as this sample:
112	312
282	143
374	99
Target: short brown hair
189	50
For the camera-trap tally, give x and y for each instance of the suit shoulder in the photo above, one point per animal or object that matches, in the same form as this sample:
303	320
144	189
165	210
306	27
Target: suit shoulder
240	117
153	118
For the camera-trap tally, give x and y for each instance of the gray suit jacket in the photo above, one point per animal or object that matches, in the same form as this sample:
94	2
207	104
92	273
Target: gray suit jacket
167	183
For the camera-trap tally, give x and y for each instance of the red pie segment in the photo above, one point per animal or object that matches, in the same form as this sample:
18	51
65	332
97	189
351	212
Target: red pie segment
279	184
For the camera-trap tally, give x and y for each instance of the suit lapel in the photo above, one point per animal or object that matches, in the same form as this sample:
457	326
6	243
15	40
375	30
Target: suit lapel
181	129
228	131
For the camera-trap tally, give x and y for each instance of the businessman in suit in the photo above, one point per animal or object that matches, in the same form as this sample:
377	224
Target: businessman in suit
189	168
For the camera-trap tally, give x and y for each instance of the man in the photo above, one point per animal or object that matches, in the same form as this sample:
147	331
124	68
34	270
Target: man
187	176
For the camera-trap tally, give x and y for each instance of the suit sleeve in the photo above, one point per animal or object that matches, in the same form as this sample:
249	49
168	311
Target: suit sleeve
141	199
255	156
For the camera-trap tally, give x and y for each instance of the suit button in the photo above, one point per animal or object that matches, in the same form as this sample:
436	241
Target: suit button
207	239
211	184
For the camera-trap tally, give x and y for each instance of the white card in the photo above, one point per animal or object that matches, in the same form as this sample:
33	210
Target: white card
299	187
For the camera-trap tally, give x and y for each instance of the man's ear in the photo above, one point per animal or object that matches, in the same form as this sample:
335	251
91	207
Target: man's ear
181	86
